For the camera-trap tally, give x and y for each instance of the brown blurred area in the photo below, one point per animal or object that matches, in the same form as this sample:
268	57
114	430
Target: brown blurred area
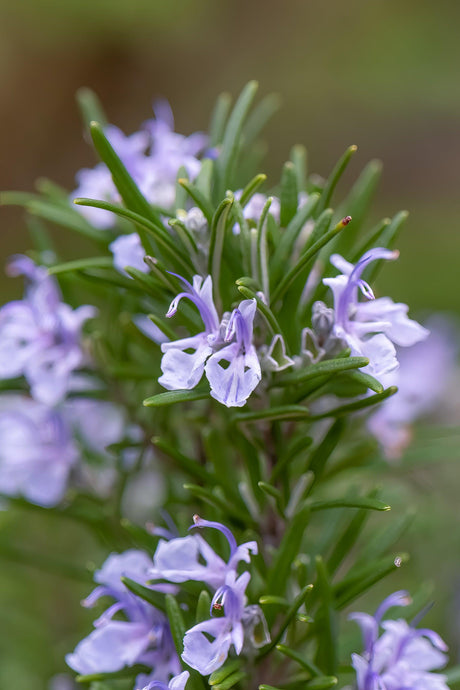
379	73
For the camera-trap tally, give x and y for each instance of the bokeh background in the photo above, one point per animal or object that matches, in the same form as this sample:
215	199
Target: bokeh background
382	74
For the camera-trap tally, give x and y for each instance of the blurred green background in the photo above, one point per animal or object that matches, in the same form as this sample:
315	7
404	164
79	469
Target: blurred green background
382	74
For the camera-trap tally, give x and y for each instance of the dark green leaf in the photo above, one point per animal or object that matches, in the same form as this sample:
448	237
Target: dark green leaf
289	194
333	179
173	397
231	138
329	366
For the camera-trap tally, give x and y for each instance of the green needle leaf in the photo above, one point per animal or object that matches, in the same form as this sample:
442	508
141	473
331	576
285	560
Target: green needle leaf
333	179
173	397
90	107
329	366
129	672
300	659
222	673
358	405
289	194
366	503
81	265
216	244
306	257
198	197
285	412
130	193
231	138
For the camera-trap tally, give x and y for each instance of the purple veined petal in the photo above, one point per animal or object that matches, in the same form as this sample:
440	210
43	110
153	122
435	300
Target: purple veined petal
233	375
201	654
178	560
414	646
110	648
435	639
366	680
182	369
381	353
131	563
341	264
401	329
127	250
241	322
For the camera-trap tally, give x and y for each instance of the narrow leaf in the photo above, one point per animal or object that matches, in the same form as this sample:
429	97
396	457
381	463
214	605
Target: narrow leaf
285	412
173	397
333	179
358	405
289	194
329	366
306	257
231	138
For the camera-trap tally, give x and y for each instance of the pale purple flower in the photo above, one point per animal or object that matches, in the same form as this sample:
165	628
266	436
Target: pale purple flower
152	156
127	250
170	150
422	378
207	655
37	451
371	328
224	350
177	683
403	657
234	371
191	558
96	183
183	360
144	636
40	336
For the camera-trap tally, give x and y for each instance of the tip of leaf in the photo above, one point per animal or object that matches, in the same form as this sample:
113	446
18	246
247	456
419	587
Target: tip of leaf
353	148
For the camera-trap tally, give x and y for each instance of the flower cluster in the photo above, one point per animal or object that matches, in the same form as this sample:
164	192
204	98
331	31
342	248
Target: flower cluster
40	336
153	156
144	636
42	436
402	657
266	318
